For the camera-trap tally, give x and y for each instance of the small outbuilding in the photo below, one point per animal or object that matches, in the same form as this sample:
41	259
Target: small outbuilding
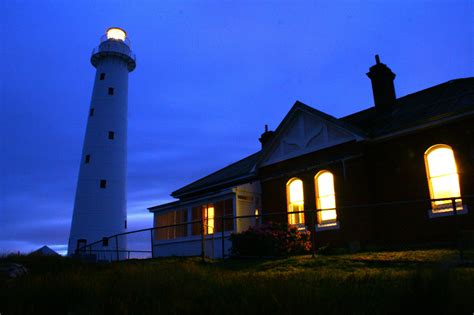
45	251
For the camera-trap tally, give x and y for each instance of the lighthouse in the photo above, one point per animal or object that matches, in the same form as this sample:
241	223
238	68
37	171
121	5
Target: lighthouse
100	202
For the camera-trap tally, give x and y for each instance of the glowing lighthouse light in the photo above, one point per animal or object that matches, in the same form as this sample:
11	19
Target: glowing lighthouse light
116	33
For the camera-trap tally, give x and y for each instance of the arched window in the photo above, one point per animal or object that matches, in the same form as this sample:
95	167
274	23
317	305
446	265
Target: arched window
325	198
295	199
443	178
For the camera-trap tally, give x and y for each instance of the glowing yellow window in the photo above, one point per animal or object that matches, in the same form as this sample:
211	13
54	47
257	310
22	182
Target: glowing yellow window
325	198
257	221
443	178
210	219
295	200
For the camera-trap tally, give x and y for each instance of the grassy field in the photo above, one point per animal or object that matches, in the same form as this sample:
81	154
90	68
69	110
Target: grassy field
427	281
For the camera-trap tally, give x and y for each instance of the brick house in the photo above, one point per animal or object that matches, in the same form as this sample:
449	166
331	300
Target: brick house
372	175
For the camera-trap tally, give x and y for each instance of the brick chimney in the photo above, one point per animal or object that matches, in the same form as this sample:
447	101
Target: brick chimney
382	85
266	137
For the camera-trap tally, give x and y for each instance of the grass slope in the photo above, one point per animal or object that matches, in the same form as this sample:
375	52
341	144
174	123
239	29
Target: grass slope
428	281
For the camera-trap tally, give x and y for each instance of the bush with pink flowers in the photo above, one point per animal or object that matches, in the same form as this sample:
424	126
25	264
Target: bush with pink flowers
271	239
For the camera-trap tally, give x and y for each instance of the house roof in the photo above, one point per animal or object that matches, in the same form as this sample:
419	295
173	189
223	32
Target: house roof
442	101
46	251
231	174
341	123
439	102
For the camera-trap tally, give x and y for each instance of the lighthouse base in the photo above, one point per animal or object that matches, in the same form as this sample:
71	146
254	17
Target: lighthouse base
107	250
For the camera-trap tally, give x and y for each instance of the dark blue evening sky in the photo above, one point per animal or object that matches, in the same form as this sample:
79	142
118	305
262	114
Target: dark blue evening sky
210	75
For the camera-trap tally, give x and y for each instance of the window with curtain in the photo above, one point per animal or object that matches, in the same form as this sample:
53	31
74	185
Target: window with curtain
325	198
443	178
173	217
209	219
295	200
224	208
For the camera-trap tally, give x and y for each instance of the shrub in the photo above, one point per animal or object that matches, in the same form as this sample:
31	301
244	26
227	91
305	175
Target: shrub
271	239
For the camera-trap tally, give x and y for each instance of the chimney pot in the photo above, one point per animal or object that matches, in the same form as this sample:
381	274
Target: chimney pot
266	137
382	85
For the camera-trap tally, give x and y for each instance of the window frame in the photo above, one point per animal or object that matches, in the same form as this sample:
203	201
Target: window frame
210	222
460	208
327	224
300	216
172	217
223	207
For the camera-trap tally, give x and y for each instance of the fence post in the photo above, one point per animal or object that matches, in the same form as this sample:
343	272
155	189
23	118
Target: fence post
203	237
152	243
117	247
222	233
313	233
458	229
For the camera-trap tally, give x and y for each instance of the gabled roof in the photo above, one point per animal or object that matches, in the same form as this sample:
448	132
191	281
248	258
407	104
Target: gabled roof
233	174
301	106
286	124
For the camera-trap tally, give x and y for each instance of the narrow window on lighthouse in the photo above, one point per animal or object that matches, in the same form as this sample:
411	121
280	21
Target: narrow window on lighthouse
111	91
111	135
103	183
102	76
91	112
87	159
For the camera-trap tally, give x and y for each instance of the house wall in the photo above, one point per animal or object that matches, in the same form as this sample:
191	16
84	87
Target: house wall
398	171
191	246
347	164
378	172
245	199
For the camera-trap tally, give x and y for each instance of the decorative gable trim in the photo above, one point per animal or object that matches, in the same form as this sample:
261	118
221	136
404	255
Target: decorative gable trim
306	130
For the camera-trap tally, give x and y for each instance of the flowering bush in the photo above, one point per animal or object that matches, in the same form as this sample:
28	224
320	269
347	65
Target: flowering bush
271	239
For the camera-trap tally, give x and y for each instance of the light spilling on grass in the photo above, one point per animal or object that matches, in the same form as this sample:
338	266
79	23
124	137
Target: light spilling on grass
325	197
295	197
443	176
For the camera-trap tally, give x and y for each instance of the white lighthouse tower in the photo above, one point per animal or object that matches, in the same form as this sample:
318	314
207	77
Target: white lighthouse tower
100	203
